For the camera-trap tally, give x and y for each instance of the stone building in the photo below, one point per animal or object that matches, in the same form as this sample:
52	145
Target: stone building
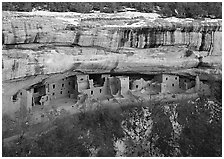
186	83
91	91
201	87
124	80
153	87
169	83
82	82
138	84
103	87
47	92
63	88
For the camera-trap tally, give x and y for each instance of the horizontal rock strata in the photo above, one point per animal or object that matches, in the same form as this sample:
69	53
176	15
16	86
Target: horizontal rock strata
36	44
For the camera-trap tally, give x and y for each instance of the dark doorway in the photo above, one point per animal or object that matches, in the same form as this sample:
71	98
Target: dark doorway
98	81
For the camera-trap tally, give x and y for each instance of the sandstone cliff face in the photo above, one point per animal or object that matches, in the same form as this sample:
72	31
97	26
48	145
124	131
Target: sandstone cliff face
199	35
37	47
39	44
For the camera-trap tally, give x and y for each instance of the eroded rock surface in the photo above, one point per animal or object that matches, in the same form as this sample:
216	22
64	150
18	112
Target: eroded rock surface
40	47
43	44
37	46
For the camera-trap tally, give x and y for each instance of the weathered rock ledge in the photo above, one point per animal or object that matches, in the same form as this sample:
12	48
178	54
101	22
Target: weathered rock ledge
37	44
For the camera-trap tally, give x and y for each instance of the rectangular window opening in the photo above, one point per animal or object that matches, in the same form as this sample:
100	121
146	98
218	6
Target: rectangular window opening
14	98
35	90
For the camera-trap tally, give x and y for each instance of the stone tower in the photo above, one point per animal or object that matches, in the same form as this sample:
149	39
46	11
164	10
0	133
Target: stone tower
83	82
106	91
197	83
124	84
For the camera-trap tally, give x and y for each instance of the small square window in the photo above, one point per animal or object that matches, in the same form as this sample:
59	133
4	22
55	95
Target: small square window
21	93
62	84
61	92
175	78
53	94
35	90
173	85
136	86
14	98
166	78
53	86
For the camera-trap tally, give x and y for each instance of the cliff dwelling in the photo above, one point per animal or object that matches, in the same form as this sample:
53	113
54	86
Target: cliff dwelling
73	71
105	87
